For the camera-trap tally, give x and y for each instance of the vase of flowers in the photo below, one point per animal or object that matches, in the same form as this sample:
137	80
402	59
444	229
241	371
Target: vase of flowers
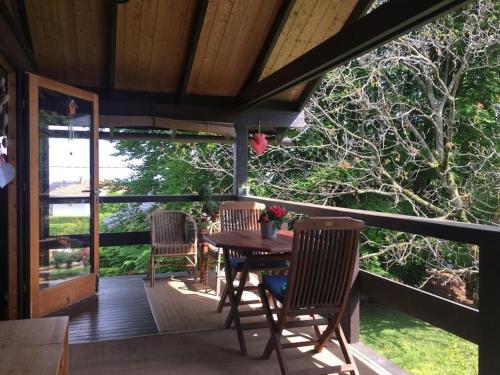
271	220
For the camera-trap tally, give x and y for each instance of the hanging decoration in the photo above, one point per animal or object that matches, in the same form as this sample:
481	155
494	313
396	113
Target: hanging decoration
258	142
71	109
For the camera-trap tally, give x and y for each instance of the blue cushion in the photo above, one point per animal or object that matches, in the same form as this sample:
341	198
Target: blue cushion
277	285
237	263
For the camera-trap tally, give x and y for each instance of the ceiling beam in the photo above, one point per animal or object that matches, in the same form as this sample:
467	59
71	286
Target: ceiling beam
271	40
270	118
14	45
360	9
385	23
193	47
113	14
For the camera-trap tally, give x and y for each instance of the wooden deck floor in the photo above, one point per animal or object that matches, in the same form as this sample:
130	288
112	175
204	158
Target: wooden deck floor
119	310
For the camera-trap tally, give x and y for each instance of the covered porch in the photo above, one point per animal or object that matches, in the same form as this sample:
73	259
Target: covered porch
203	71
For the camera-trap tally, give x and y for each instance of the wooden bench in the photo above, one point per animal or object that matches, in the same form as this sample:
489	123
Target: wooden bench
34	346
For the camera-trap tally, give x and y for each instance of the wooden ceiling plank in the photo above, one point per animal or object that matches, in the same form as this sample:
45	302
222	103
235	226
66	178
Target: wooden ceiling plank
293	37
164	57
218	78
383	24
187	18
215	42
51	30
270	42
313	22
201	13
34	15
111	65
121	16
213	33
148	22
359	9
69	40
257	20
201	51
284	40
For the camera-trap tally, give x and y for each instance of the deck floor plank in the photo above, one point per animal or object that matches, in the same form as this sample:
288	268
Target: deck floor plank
120	309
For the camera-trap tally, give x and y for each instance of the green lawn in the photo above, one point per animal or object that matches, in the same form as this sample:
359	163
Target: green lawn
415	346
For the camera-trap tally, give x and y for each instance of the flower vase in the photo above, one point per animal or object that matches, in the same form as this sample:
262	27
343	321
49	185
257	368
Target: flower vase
268	230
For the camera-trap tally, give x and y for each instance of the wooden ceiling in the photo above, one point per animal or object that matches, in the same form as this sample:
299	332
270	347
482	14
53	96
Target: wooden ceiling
202	47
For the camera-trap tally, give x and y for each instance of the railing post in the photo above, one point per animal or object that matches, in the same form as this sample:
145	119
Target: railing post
240	159
489	307
350	320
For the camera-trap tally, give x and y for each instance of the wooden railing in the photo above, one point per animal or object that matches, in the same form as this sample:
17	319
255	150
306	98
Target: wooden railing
480	327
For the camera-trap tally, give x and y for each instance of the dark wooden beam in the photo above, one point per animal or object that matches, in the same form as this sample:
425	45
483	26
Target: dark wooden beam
172	198
443	229
489	300
270	118
360	9
13	43
385	23
193	47
240	160
188	99
111	68
270	42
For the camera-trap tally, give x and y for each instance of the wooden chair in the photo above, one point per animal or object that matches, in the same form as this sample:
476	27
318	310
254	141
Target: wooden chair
241	216
319	281
173	235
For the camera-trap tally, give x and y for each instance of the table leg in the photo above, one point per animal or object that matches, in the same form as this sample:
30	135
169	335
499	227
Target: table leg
233	314
239	291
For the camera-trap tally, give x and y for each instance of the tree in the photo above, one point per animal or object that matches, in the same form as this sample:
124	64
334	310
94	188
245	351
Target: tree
411	127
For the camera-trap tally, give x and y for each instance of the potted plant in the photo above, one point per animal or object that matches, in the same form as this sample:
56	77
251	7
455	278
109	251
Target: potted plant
271	220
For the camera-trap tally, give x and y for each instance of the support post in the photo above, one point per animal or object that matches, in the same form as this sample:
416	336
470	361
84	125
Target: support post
240	160
489	308
350	320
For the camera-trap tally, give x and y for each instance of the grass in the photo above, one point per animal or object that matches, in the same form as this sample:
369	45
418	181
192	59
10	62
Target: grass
59	225
414	345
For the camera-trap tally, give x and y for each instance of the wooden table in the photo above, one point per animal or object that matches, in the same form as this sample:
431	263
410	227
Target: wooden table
34	346
246	243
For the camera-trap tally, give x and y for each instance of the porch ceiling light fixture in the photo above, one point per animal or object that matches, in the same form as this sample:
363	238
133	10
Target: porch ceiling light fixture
258	142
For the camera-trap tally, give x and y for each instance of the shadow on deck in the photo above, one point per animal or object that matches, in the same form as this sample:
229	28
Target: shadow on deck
190	337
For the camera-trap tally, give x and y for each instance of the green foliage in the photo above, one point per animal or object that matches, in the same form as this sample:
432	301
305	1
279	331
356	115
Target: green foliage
60	225
416	346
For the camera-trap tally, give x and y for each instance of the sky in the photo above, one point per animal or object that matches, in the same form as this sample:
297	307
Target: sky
69	160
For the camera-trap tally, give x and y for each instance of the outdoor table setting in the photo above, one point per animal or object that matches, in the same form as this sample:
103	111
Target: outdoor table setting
245	243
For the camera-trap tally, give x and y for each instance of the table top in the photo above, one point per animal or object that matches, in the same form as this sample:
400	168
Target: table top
252	240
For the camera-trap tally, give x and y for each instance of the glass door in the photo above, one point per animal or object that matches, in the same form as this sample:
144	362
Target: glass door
63	194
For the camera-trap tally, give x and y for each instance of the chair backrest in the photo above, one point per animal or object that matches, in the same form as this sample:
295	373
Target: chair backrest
168	227
322	263
240	215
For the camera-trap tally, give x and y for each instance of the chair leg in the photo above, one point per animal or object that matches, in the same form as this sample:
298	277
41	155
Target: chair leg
195	270
274	342
349	359
152	265
224	294
327	333
218	275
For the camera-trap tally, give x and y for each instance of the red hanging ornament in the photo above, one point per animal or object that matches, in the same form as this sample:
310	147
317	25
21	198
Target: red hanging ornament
258	142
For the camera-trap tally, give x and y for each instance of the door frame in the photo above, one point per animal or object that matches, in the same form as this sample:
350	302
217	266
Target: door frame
42	302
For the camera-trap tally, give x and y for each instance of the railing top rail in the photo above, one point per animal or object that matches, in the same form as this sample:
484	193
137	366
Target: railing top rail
443	229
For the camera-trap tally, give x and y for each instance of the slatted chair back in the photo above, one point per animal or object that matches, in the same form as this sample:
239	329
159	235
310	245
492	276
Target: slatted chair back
169	227
240	215
322	263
